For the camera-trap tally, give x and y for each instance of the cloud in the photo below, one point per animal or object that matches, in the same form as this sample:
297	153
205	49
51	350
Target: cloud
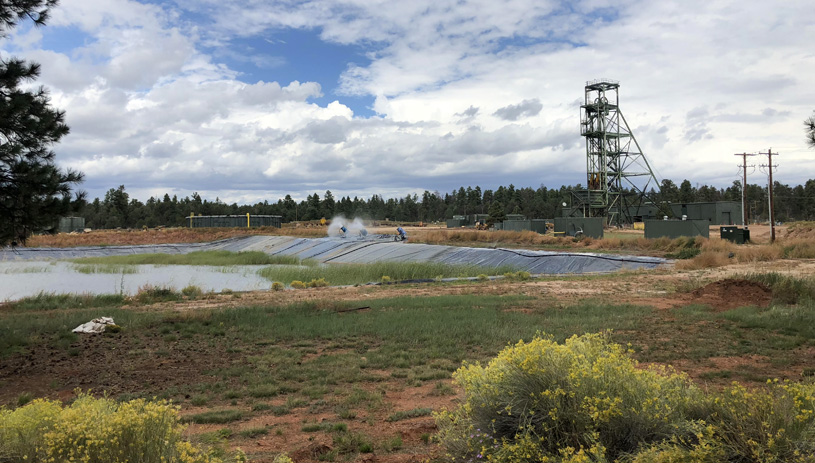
526	108
151	105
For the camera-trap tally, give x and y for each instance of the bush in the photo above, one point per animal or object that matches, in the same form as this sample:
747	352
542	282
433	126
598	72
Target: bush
551	396
317	283
586	400
297	284
192	292
277	286
95	430
149	294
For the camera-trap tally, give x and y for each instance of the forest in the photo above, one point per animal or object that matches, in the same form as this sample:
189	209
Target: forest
118	210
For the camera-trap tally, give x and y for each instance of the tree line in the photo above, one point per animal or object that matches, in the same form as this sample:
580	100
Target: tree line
118	210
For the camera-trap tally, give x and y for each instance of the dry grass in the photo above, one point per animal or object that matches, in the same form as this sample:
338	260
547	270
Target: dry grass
161	236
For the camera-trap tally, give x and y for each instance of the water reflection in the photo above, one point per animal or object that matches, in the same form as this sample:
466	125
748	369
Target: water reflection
22	279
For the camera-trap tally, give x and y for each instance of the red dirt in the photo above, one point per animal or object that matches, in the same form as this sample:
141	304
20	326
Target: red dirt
732	293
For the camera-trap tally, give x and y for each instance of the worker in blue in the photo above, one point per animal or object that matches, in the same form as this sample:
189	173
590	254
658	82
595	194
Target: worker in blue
402	234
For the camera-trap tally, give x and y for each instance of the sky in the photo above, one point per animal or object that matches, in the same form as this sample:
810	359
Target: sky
250	100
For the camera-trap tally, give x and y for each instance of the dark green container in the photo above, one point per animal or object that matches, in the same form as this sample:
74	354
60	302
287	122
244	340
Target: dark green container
735	234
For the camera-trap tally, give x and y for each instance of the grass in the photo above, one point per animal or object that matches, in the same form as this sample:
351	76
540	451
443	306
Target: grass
408	414
49	301
214	258
214	417
105	268
349	274
319	361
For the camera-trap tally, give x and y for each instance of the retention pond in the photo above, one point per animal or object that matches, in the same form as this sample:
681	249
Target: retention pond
28	271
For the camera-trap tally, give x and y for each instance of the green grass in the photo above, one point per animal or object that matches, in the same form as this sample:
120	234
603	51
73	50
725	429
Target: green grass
105	268
349	274
214	258
215	417
50	301
786	289
797	320
406	415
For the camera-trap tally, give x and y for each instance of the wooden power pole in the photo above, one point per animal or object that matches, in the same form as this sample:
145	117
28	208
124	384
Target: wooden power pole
769	167
744	187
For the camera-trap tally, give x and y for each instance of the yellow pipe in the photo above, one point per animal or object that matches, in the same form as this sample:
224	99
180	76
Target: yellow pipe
247	220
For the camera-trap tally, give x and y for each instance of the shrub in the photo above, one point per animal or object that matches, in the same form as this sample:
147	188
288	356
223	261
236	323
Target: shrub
317	283
277	286
586	400
552	396
297	284
95	430
482	277
385	279
149	294
192	292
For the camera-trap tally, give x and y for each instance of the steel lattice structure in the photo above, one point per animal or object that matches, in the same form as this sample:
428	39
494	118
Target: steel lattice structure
618	174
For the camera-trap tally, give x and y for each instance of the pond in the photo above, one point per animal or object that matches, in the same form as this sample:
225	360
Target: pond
23	279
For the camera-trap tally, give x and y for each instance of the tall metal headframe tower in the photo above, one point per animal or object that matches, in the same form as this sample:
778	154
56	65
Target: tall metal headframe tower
618	174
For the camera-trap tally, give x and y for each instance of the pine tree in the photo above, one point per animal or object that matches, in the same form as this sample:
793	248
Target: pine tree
34	192
809	124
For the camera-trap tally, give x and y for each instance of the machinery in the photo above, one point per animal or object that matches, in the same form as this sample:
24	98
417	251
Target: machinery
618	175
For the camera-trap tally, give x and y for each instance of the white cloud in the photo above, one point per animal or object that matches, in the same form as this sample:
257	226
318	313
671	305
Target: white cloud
464	91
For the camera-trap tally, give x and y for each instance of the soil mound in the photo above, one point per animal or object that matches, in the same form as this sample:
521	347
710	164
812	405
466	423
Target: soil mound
732	293
802	230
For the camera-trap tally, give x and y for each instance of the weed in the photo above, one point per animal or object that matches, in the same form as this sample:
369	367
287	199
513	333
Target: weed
215	416
442	389
149	294
406	415
349	274
192	292
297	284
278	286
49	301
24	398
199	400
391	445
264	390
317	283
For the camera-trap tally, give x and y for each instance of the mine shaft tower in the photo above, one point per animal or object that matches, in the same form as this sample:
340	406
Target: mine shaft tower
617	172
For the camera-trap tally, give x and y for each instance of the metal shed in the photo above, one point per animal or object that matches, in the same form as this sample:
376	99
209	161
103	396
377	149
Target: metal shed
676	228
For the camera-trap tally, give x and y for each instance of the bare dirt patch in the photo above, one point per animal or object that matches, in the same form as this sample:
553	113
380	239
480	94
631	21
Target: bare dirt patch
732	293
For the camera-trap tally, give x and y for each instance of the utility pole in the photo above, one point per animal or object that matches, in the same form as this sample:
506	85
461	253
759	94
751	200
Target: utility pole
769	167
744	187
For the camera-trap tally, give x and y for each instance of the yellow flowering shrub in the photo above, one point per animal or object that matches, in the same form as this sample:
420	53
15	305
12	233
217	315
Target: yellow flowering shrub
587	400
775	423
96	430
560	395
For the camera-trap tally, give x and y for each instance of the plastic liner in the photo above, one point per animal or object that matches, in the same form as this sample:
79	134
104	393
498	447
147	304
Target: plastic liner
375	248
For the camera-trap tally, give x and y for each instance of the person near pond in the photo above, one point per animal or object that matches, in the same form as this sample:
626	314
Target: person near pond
402	235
